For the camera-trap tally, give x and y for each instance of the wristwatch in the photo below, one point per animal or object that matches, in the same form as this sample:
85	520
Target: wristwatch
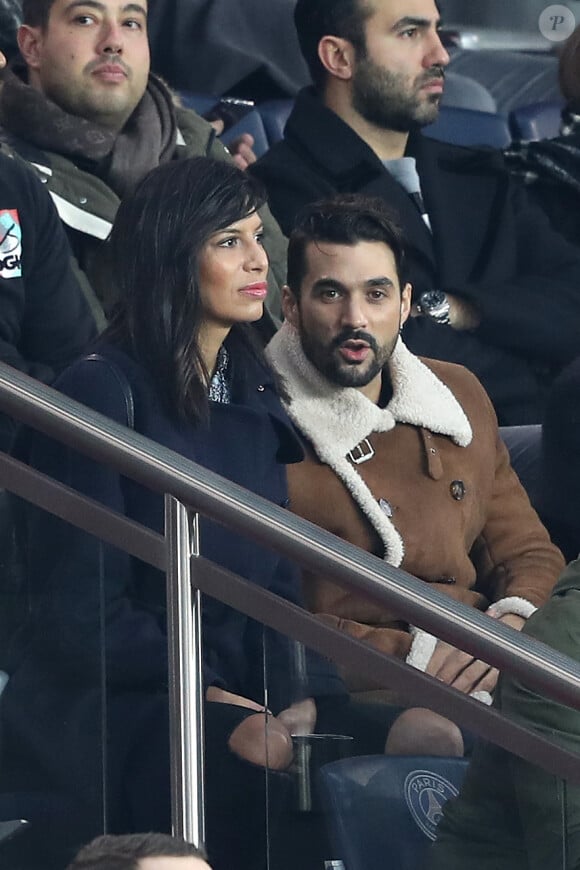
434	304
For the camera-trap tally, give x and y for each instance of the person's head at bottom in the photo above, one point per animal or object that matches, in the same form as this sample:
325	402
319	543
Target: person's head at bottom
190	268
139	852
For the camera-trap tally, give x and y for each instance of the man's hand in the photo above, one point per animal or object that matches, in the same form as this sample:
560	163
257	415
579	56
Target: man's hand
513	621
240	148
460	670
462	314
299	718
220	696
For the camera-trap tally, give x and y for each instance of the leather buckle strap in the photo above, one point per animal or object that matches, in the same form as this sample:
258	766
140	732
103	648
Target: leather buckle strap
362	452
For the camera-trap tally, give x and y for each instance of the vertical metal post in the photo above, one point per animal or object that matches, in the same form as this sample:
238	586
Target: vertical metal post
185	675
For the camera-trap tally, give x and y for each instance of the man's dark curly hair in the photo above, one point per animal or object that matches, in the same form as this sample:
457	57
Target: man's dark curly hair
124	852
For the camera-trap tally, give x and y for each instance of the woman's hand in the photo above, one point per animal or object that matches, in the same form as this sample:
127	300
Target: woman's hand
299	718
261	741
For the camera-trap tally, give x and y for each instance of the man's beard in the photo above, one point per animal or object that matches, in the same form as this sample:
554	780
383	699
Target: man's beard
337	370
386	100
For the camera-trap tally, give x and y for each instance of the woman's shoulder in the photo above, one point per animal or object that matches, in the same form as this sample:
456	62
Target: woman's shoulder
105	380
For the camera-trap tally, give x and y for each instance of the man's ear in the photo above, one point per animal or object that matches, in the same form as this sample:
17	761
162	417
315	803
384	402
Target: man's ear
406	302
30	45
337	56
290	306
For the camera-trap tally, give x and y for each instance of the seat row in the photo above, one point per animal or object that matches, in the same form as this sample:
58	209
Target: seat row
457	123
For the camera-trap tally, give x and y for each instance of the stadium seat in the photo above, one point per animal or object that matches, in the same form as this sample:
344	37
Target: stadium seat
251	123
512	78
383	810
469	128
536	121
274	114
464	92
200	103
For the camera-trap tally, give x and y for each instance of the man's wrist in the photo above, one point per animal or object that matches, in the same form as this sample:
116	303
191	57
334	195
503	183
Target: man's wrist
447	309
435	305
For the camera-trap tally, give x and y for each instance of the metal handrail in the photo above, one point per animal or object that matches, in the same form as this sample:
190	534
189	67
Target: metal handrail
158	468
383	670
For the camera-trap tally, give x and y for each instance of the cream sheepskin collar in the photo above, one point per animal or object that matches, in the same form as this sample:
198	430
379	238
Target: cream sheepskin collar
337	419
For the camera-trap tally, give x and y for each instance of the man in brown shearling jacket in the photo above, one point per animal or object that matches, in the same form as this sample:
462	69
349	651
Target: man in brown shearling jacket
403	456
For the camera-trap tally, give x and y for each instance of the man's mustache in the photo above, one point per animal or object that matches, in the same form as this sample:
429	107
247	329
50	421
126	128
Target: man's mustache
354	335
433	74
108	60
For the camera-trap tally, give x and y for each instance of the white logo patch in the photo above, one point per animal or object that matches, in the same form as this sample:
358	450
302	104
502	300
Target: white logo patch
10	244
425	795
557	22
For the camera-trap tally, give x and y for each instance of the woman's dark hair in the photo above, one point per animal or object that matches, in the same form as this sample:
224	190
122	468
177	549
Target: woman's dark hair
158	235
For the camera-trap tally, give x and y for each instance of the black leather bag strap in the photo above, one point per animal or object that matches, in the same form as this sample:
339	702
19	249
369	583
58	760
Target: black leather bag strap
123	382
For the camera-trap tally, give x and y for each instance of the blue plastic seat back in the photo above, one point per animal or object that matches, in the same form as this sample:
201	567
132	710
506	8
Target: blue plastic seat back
536	121
464	92
513	78
251	123
274	114
200	103
383	810
469	128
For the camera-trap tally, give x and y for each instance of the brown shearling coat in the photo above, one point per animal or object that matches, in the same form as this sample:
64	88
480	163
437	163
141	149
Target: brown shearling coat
487	545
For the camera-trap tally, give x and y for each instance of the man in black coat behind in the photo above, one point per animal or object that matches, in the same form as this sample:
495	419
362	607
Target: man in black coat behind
494	288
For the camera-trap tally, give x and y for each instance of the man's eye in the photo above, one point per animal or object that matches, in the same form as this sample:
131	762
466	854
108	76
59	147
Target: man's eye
329	294
409	33
133	24
83	20
377	295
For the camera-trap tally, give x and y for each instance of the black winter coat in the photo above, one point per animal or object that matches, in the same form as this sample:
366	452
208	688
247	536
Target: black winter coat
45	321
52	709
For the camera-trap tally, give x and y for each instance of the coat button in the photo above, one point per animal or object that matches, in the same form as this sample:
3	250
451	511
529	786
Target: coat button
83	200
457	489
286	503
261	388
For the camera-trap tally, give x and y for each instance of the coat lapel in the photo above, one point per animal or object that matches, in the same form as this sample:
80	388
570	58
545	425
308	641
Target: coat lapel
460	245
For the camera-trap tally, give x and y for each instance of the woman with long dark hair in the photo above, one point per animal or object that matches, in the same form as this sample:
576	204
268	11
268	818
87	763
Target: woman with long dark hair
180	365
